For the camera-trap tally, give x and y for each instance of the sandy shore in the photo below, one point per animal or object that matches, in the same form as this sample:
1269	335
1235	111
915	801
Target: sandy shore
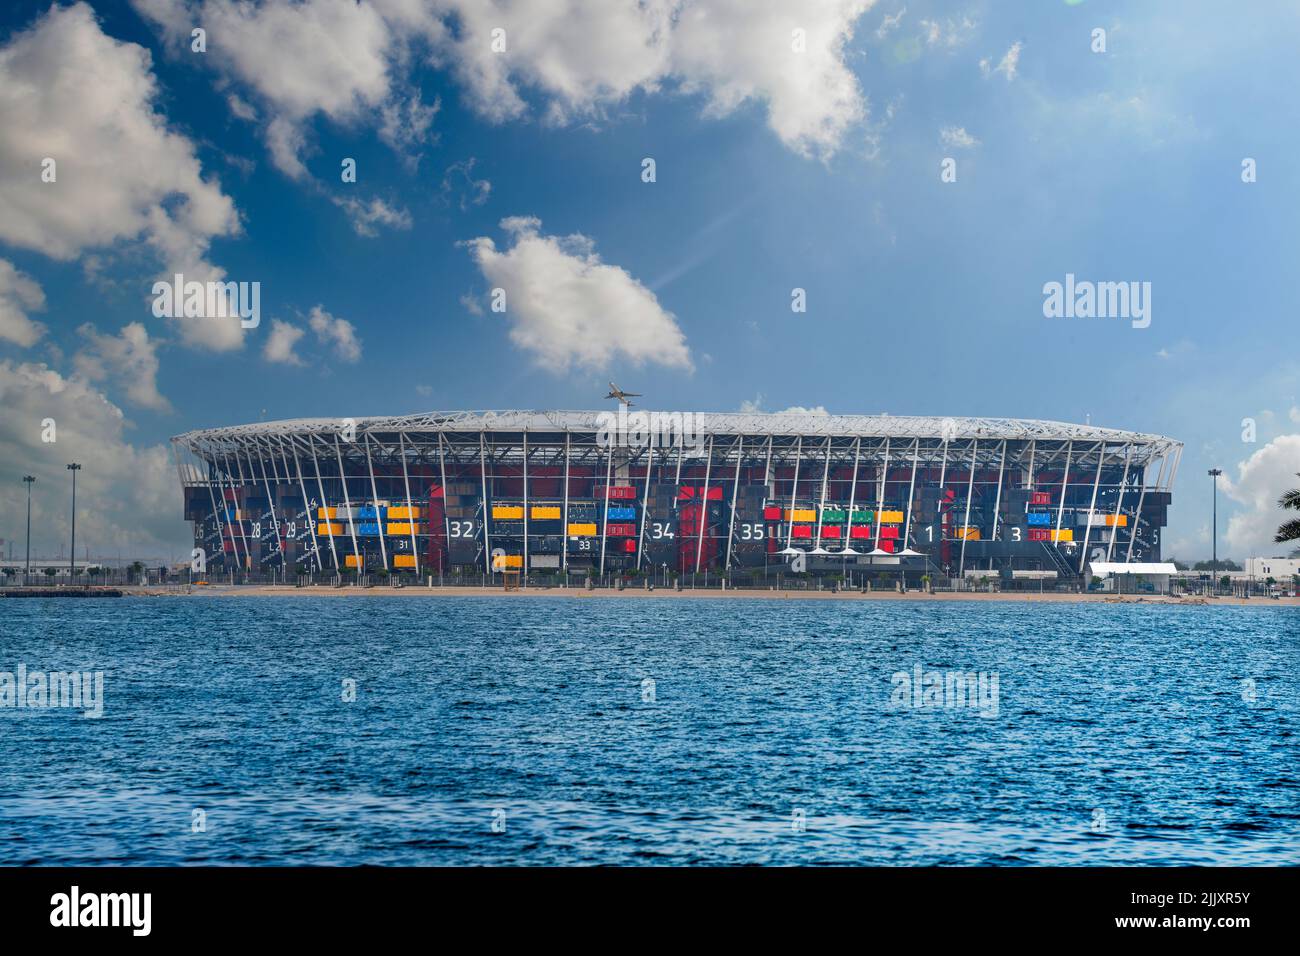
689	595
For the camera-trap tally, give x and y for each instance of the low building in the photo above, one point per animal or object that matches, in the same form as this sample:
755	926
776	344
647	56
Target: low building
1280	569
1133	576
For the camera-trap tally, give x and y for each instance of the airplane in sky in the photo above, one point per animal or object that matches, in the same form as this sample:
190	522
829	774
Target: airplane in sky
622	396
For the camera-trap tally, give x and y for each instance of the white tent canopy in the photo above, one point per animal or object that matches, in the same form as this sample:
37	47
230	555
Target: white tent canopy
1101	569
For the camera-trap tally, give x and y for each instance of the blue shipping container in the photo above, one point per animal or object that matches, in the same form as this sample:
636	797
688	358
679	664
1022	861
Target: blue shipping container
1039	519
622	513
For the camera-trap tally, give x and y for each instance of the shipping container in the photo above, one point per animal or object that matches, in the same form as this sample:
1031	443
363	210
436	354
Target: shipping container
771	514
802	531
404	513
582	530
1038	519
620	530
545	513
687	493
800	514
621	513
1065	534
860	532
406	528
617	492
891	517
507	512
404	561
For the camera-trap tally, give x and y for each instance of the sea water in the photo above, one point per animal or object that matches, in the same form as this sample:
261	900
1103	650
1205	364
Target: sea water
550	730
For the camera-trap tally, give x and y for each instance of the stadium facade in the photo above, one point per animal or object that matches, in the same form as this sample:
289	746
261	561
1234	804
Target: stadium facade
635	491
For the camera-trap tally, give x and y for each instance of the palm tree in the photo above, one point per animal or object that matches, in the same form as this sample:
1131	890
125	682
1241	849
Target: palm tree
1291	530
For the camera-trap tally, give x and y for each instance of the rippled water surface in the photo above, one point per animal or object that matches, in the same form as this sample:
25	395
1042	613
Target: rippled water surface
1123	734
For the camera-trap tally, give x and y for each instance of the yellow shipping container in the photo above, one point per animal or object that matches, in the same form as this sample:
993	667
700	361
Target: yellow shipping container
326	513
405	512
503	561
800	514
582	530
1065	534
969	534
1117	521
354	560
329	528
508	512
406	528
403	560
891	517
546	513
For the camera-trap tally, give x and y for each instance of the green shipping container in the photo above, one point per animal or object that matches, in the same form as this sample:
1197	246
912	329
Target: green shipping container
833	516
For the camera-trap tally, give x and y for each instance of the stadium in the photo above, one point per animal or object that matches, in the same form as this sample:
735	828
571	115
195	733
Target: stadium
631	492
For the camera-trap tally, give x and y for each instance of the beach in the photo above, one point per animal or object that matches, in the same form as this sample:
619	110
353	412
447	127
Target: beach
702	594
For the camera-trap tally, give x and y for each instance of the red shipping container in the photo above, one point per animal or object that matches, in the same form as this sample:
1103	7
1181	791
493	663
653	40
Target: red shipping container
887	546
771	514
1040	498
888	531
686	493
802	531
1039	534
617	529
618	492
630	546
860	532
831	531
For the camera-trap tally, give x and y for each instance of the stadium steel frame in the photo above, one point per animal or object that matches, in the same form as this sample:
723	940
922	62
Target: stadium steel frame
796	453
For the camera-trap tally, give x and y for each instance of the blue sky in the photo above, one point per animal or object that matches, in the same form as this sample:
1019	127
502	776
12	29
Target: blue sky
772	173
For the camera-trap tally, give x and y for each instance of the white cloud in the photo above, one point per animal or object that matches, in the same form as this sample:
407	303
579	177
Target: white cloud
1293	413
889	24
335	332
347	61
957	137
281	342
1261	479
240	109
567	307
459	181
406	122
129	358
19	294
368	216
329	58
948	34
755	407
737	51
1006	66
71	93
128	497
